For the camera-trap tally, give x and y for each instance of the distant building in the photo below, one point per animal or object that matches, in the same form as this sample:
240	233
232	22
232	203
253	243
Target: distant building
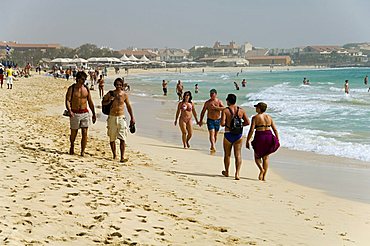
328	49
270	60
231	49
230	62
283	51
256	53
174	55
29	47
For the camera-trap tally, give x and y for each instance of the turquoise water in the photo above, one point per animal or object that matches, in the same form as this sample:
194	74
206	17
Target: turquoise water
318	118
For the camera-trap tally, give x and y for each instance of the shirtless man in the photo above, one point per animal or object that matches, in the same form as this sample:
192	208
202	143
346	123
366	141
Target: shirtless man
117	125
213	107
101	86
164	87
77	98
179	89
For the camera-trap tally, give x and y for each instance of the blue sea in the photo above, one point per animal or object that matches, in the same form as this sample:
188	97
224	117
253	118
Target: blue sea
317	118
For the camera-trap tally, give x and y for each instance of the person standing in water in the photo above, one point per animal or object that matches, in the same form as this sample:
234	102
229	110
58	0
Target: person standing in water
346	87
196	88
164	87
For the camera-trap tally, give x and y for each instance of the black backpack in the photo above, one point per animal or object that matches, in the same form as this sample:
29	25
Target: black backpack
236	124
106	108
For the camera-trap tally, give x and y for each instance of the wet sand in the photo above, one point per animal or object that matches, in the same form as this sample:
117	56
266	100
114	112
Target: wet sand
162	195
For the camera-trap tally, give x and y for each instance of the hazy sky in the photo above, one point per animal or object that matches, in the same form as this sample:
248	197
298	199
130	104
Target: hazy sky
184	23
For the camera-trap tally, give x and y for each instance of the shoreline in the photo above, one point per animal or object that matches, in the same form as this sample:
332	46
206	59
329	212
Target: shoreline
163	195
321	168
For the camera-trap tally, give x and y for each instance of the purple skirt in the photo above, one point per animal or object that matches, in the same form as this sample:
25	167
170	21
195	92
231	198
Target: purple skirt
264	143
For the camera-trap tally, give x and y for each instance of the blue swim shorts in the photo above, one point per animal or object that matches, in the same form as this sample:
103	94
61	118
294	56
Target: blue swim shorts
213	124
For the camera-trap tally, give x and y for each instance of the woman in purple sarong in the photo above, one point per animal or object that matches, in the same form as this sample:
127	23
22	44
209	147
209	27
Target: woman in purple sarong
264	142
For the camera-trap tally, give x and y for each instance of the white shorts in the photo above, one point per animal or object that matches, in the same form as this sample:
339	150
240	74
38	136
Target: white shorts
117	128
79	121
9	80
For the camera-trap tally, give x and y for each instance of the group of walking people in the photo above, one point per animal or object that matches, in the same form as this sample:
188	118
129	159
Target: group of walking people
233	118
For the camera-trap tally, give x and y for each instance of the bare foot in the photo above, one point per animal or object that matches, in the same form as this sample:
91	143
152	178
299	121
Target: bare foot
71	151
212	150
226	174
114	156
188	144
237	178
260	176
82	154
123	160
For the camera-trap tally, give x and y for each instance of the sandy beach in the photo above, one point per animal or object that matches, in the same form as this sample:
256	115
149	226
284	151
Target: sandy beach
164	195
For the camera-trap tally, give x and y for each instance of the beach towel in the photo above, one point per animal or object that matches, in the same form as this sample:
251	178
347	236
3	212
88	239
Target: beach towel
264	143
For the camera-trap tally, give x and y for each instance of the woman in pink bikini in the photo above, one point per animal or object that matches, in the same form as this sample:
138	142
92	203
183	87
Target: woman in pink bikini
186	109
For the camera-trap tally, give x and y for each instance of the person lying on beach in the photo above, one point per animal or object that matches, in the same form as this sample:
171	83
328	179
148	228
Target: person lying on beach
116	122
233	119
213	106
264	142
186	109
77	98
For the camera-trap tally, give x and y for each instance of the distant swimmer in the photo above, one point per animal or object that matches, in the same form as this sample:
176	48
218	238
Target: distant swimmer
236	86
164	87
366	80
244	83
308	82
346	87
304	81
196	88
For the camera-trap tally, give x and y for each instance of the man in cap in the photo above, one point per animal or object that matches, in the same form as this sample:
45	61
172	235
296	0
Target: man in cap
213	106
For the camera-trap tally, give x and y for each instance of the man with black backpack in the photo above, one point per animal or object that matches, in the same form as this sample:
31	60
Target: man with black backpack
114	106
233	119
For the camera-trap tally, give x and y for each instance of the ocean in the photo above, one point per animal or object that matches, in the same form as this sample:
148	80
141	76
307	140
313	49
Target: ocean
316	118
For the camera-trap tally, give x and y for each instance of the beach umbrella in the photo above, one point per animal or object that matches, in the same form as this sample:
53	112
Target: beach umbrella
124	58
144	59
133	58
92	59
79	60
115	59
61	60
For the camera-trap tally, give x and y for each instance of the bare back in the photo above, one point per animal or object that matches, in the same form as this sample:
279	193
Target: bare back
262	122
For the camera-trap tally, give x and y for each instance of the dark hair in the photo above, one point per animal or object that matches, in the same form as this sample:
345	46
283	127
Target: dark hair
190	96
231	98
118	80
81	74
